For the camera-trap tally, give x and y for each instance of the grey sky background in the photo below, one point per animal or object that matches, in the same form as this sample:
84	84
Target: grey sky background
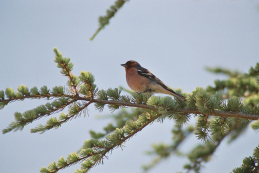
174	39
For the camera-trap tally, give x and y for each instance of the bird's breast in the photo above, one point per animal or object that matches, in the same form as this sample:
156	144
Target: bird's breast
136	82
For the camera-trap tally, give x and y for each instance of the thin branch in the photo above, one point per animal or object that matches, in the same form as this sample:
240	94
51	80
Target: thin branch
37	97
104	20
59	123
24	122
66	119
199	162
70	77
111	147
223	114
185	110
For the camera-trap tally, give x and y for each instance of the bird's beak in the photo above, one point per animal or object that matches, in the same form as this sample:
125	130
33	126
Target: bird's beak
124	65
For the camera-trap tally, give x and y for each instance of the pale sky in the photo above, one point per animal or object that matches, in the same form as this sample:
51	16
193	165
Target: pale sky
173	39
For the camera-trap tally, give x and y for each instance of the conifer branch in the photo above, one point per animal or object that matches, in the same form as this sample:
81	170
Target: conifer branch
54	123
164	151
241	85
114	140
120	119
118	136
223	71
104	20
223	114
47	96
70	76
32	115
22	123
122	141
184	110
66	68
250	164
201	154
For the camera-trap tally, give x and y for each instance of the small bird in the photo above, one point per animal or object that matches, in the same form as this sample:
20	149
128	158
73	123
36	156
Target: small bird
142	80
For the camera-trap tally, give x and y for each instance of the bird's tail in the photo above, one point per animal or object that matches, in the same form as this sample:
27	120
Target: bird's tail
176	94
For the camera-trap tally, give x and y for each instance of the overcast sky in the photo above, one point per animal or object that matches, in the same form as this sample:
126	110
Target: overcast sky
174	39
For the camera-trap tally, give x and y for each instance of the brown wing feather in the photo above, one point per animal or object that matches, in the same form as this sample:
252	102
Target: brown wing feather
146	73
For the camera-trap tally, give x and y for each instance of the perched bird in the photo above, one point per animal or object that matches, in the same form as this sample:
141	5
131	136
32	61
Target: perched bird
142	80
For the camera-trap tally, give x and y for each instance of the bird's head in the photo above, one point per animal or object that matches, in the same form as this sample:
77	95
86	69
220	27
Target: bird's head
130	64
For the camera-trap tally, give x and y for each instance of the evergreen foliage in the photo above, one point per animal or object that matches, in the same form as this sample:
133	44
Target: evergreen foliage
222	111
250	164
105	20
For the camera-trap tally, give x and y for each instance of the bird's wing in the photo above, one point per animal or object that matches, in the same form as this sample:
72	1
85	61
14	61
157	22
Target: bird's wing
146	73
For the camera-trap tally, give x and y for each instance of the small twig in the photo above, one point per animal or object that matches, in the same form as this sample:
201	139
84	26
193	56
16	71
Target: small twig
223	120
70	77
206	118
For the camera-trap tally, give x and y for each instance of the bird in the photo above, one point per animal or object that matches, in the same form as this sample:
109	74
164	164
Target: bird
141	80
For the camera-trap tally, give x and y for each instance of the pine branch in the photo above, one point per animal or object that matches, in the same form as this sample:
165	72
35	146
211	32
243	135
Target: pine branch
254	71
219	70
250	164
119	119
66	69
223	114
241	85
202	154
104	20
138	98
35	114
100	148
24	93
184	110
47	96
164	151
54	123
114	140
